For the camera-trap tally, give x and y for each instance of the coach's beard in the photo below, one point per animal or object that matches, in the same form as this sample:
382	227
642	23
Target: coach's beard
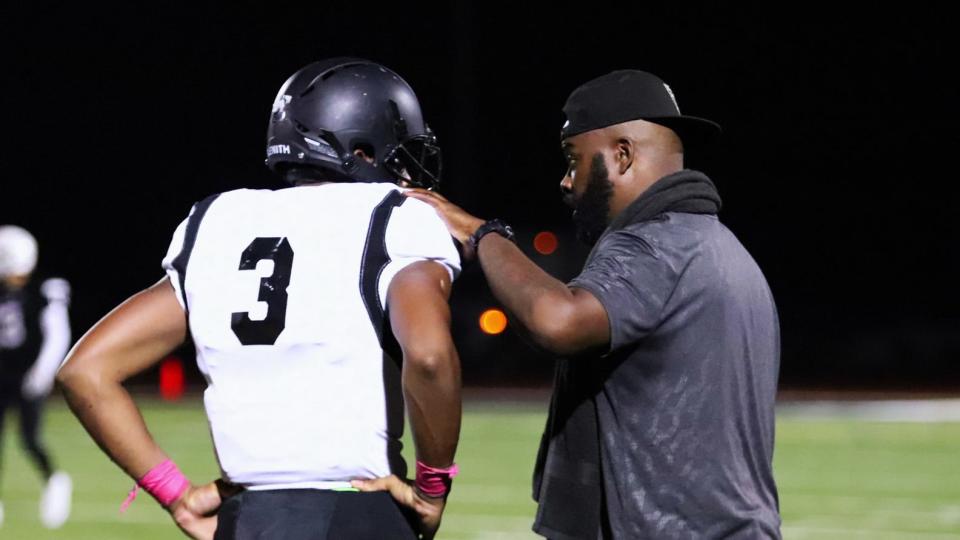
590	215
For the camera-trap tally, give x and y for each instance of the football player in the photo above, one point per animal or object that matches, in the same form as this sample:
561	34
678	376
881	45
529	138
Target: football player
302	302
34	338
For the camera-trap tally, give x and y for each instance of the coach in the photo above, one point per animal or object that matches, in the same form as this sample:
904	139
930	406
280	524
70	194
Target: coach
661	422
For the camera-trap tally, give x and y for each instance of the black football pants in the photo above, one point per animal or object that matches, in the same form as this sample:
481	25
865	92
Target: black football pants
311	514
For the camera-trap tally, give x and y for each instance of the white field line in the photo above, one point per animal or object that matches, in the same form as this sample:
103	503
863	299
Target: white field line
879	519
880	504
933	410
824	533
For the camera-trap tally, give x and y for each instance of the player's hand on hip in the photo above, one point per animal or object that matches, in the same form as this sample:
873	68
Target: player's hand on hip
461	224
428	509
196	511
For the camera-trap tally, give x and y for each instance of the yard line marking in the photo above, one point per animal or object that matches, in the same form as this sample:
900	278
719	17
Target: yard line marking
791	532
908	410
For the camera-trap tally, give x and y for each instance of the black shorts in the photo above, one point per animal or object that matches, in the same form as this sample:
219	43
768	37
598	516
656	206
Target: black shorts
311	514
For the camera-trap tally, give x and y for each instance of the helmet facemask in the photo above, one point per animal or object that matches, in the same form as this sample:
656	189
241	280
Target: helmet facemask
416	161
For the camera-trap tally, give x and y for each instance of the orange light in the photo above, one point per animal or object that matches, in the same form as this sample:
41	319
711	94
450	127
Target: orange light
545	242
493	321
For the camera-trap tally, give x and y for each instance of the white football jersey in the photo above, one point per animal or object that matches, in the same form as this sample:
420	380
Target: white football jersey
285	293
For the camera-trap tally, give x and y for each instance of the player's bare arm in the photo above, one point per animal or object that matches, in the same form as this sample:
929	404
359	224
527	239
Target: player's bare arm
131	338
420	317
561	319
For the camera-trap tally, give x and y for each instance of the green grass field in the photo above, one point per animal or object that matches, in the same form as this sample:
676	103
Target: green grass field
837	478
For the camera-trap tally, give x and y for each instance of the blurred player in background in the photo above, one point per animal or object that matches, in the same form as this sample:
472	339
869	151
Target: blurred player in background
34	338
300	302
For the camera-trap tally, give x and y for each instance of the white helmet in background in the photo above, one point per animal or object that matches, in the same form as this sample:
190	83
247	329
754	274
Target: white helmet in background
18	251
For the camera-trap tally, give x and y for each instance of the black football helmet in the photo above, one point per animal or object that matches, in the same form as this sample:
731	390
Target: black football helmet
329	109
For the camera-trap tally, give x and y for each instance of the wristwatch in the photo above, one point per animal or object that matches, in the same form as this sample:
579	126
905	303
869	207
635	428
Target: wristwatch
494	225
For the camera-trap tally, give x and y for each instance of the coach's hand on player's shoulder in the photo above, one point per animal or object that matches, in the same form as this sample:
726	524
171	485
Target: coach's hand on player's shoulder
428	509
461	224
195	512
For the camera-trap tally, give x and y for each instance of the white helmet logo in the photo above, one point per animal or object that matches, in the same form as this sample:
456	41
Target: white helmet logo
279	107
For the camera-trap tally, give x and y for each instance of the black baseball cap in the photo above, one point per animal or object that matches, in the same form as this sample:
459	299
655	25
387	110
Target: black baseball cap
629	94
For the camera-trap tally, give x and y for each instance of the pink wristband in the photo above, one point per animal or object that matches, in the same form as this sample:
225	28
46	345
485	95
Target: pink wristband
165	482
435	482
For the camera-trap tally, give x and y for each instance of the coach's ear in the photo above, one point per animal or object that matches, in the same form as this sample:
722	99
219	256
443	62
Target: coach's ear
624	154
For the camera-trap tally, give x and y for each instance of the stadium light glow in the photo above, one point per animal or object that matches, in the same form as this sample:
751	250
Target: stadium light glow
493	321
545	242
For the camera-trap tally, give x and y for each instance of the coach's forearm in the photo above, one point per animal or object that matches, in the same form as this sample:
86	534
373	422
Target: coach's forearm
431	387
109	414
540	303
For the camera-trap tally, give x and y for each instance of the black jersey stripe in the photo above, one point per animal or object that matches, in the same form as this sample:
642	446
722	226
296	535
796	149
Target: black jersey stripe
189	239
376	258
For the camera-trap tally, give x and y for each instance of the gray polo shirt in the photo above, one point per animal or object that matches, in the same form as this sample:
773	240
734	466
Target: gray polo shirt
684	399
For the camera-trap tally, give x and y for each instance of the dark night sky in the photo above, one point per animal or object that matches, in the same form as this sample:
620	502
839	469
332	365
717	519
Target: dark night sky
831	167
